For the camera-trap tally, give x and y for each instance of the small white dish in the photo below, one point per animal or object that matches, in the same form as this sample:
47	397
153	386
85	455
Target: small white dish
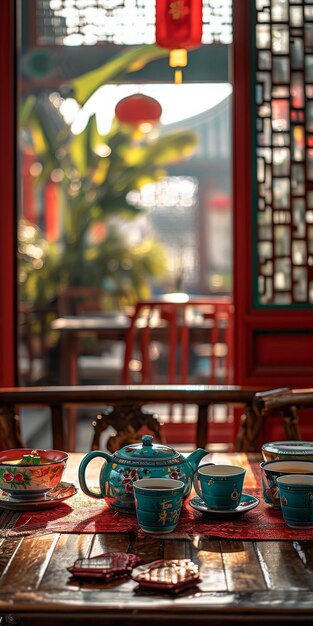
54	497
246	503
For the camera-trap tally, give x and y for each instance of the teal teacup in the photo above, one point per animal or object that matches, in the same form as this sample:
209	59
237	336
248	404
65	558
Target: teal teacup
219	486
296	499
158	503
272	470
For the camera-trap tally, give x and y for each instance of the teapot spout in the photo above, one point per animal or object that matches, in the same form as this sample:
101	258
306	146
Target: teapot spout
195	457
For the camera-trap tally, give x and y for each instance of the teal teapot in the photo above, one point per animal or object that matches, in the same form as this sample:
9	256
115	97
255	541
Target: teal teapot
139	460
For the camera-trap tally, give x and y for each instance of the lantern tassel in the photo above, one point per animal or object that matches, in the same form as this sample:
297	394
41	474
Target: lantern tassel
178	28
178	77
178	58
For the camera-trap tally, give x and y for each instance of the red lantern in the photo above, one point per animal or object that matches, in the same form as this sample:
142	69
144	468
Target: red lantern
179	28
138	109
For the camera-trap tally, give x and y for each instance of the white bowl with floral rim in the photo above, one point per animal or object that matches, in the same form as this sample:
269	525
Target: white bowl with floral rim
30	479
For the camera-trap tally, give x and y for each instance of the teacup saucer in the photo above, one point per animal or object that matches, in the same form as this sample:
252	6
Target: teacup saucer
52	498
246	503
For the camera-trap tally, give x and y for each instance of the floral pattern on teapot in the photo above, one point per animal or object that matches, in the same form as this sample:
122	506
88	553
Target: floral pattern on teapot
128	476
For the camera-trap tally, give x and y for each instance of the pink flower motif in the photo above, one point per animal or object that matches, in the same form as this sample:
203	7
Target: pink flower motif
18	477
8	477
128	486
129	477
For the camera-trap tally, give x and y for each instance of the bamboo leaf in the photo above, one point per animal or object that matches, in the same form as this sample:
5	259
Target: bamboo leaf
39	139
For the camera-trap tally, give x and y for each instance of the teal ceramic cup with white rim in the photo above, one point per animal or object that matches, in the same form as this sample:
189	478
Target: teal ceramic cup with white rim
296	499
158	504
219	486
272	470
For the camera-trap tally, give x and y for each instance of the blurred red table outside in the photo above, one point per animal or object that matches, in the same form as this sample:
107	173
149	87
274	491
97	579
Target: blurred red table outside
187	320
73	328
181	320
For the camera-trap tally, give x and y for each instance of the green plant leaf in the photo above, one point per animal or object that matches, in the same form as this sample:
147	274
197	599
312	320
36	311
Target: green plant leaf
130	61
78	152
100	195
26	110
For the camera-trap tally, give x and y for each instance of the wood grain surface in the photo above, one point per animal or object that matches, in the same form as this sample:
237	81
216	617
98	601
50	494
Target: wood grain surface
241	581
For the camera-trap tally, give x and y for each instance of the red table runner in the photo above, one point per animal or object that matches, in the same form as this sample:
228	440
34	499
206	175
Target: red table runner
82	514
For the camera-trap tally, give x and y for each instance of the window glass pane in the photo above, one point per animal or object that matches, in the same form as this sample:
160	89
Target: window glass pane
132	207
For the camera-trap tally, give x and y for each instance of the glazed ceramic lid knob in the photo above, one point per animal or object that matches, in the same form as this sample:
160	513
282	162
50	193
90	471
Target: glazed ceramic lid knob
147	450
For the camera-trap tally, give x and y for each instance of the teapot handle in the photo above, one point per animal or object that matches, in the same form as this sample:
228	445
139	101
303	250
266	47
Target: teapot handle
82	471
196	482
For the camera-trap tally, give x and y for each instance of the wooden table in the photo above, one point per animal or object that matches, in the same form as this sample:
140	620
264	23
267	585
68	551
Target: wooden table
114	328
73	328
242	581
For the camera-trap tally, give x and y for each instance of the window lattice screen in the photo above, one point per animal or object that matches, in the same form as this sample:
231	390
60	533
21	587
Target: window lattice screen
124	22
284	132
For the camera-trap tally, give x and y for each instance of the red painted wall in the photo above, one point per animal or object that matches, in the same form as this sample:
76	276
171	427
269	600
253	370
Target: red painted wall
241	183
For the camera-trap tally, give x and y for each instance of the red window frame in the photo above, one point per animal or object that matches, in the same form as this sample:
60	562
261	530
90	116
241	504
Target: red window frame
8	204
254	364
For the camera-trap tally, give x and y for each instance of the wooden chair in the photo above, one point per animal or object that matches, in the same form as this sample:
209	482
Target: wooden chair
35	341
177	339
129	423
124	408
177	323
265	405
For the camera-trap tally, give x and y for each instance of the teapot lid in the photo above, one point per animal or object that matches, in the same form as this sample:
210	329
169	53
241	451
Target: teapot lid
147	451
